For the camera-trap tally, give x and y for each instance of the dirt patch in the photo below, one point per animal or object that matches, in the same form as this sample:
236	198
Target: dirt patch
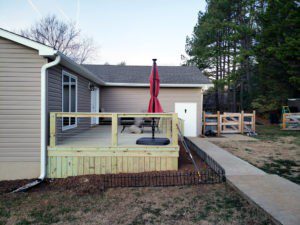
186	164
205	204
78	185
10	185
81	185
91	184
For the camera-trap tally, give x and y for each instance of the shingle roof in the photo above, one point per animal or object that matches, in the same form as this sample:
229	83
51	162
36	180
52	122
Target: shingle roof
140	74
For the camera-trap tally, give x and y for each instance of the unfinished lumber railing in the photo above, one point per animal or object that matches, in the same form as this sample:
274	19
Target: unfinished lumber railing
168	123
181	125
229	122
291	121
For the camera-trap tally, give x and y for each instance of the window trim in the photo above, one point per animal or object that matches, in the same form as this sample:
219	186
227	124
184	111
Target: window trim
65	73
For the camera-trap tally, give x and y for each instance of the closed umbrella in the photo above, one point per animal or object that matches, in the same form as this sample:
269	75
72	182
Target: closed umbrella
154	104
154	107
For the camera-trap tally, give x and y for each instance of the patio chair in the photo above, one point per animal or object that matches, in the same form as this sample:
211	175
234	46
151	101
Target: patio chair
147	122
126	122
104	121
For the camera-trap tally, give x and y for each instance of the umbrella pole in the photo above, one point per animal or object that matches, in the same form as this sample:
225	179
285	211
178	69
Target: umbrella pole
153	92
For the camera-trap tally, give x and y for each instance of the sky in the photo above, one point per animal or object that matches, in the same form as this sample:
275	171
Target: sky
133	31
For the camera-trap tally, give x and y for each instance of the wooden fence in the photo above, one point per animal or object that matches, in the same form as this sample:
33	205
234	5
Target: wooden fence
291	121
229	123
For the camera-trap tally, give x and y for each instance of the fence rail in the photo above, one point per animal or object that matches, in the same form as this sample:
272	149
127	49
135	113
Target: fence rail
291	121
229	122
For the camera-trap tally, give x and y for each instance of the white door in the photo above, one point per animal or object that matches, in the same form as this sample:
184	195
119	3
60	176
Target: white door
95	105
188	112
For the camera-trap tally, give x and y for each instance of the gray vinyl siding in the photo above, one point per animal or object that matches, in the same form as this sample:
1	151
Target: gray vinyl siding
20	69
55	100
136	99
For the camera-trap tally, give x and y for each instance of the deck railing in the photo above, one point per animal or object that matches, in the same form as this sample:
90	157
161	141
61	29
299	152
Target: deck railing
168	122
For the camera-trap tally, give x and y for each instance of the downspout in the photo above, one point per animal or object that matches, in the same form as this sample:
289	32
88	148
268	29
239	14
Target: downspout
43	134
44	114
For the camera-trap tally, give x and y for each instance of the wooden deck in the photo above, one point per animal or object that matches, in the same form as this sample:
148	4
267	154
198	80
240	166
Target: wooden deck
104	149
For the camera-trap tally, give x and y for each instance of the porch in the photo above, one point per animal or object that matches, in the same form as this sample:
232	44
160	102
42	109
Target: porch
103	149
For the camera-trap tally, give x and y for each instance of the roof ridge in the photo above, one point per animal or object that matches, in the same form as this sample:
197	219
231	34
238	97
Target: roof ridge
137	65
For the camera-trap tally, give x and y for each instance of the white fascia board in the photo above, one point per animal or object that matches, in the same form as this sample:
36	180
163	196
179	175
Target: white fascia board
69	63
162	85
42	49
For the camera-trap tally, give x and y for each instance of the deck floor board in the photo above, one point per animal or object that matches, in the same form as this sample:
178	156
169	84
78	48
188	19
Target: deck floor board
100	136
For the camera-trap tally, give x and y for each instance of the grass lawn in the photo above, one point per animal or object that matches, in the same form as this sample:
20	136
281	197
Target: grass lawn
274	133
273	150
203	204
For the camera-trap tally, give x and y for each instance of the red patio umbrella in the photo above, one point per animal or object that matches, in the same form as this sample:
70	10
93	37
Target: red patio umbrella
154	107
154	104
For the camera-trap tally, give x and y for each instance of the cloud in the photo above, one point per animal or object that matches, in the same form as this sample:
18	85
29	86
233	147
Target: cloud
35	8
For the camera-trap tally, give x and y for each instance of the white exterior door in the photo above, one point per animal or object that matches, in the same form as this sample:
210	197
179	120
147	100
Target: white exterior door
188	112
95	105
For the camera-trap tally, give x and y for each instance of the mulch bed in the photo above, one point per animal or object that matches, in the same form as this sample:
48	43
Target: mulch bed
186	175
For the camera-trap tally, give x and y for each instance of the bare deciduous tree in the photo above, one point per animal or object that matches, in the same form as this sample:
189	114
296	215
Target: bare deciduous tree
123	63
64	37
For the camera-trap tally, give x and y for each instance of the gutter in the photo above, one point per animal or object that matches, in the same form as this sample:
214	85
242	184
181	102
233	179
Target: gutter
67	62
204	86
43	133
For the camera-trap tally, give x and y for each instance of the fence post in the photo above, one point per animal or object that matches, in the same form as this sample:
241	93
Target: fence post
114	129
253	121
204	121
242	122
174	129
218	123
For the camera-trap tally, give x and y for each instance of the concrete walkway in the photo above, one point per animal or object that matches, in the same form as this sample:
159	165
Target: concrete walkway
277	196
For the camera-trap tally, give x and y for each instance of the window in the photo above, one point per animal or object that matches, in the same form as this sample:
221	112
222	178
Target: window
69	99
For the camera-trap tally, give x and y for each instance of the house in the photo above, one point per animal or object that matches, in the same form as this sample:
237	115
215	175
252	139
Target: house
127	90
46	97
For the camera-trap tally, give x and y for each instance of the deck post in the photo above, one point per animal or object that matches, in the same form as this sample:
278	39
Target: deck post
242	122
114	129
168	128
52	129
204	123
174	129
